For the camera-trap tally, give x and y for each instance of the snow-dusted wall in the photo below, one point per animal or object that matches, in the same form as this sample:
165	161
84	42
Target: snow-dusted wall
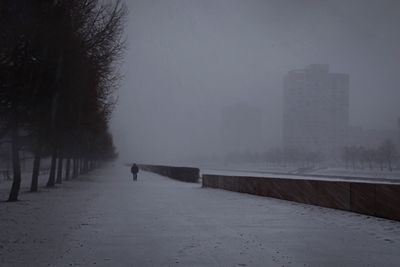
184	174
375	199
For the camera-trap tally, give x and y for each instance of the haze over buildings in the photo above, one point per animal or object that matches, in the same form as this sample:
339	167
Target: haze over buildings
371	138
243	129
188	59
316	110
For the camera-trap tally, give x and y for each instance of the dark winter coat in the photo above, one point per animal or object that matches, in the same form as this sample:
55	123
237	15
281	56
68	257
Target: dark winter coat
134	169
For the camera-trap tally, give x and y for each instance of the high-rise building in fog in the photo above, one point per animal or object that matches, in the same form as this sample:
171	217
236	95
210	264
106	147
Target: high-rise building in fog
316	110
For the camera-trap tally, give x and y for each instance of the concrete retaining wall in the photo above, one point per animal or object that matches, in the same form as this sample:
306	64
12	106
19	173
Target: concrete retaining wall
184	174
376	199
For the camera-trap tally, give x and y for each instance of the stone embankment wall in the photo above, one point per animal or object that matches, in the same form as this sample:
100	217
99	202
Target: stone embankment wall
375	199
184	174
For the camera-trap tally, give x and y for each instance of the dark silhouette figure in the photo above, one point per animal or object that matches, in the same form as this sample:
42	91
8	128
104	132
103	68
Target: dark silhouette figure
134	171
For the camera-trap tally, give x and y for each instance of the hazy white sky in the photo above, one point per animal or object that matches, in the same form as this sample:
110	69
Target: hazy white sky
187	59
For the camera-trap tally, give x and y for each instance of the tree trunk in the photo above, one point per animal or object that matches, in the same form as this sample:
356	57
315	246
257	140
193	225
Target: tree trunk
81	170
67	169
16	164
53	114
52	176
36	168
59	170
86	165
74	167
77	167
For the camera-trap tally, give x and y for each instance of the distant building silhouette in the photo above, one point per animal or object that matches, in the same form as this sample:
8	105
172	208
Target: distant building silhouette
398	133
370	138
316	110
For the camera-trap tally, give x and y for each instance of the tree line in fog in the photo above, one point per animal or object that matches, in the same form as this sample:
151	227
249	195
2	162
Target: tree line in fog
383	157
58	72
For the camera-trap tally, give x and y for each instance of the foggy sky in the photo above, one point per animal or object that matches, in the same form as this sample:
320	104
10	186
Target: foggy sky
188	59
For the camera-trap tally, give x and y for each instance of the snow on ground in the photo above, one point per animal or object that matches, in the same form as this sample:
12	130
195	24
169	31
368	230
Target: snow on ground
5	185
105	219
259	170
321	175
374	173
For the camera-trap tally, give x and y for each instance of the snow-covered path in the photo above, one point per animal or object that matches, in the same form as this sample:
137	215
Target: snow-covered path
105	219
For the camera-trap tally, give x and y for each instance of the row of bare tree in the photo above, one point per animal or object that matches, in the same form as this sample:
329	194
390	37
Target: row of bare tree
58	72
385	156
382	157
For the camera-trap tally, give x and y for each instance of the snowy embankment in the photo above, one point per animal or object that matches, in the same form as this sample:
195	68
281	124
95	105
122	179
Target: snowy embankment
106	219
320	174
183	174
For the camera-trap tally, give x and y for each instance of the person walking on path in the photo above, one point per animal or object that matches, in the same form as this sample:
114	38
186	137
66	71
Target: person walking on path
134	171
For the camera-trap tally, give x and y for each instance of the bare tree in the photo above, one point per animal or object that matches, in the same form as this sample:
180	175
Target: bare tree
57	78
387	153
369	155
